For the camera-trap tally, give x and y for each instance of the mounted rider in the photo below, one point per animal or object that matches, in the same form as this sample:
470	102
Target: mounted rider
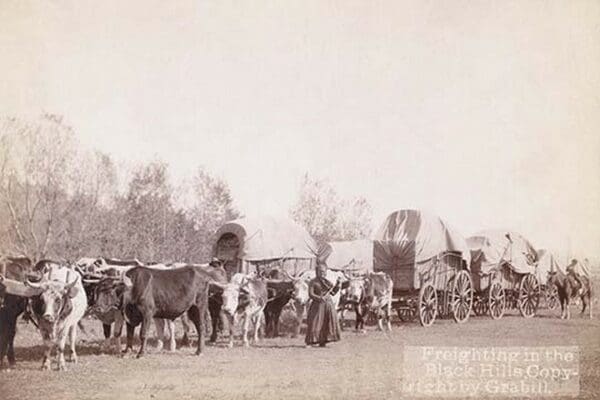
575	277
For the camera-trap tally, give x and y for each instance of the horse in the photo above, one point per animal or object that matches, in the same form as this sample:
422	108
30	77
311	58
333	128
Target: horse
570	288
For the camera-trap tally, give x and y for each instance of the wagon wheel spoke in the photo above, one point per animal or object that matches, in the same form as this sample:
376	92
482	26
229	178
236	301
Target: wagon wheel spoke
529	292
428	304
463	297
497	300
552	297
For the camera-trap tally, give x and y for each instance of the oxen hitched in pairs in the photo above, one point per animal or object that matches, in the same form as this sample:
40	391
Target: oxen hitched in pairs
416	265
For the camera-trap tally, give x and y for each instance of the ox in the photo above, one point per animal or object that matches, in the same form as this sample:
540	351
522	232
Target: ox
280	292
108	308
58	305
93	271
353	297
244	297
377	298
154	293
11	305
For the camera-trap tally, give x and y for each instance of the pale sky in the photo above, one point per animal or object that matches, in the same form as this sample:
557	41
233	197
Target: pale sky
487	113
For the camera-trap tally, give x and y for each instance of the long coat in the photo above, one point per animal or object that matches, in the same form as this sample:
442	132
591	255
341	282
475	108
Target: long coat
323	325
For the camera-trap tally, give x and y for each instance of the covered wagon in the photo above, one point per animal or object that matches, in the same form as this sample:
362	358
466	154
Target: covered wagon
258	244
547	263
504	273
428	261
352	256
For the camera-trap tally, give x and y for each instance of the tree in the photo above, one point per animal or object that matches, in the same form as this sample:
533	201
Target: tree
50	190
146	214
210	204
327	217
59	201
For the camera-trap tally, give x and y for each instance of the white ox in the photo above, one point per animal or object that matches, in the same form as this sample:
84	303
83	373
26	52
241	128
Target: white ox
244	297
59	302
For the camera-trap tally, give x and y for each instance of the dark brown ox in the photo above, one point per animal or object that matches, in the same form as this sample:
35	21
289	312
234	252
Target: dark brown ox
280	291
93	271
11	306
155	293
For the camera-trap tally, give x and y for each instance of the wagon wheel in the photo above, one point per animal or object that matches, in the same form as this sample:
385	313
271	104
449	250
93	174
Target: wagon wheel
428	304
552	297
462	297
407	314
529	296
496	300
480	305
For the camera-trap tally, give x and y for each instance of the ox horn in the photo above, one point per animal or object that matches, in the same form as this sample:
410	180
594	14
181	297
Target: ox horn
79	269
284	272
127	281
34	285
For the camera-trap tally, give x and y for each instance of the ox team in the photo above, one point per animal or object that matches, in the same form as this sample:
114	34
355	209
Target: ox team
56	296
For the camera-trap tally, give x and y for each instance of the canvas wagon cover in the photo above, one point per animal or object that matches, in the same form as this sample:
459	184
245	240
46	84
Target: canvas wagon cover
269	238
493	247
353	255
407	243
546	263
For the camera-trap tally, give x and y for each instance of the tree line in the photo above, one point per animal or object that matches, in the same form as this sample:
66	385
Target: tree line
59	200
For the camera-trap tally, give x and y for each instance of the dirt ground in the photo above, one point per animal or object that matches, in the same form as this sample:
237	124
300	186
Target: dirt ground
361	366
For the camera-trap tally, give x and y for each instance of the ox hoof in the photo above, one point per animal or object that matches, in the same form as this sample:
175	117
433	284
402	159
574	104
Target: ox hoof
185	342
139	355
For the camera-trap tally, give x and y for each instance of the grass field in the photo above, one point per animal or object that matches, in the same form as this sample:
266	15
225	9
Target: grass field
361	366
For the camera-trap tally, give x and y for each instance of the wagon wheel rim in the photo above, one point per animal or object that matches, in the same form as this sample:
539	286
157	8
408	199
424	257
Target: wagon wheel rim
553	297
497	300
462	296
529	296
428	305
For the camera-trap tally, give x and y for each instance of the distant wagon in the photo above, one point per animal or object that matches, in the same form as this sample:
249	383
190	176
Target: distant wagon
547	263
259	244
429	263
504	273
352	256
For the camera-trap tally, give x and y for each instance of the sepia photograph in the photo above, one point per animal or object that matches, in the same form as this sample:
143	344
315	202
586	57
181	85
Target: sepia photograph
332	199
